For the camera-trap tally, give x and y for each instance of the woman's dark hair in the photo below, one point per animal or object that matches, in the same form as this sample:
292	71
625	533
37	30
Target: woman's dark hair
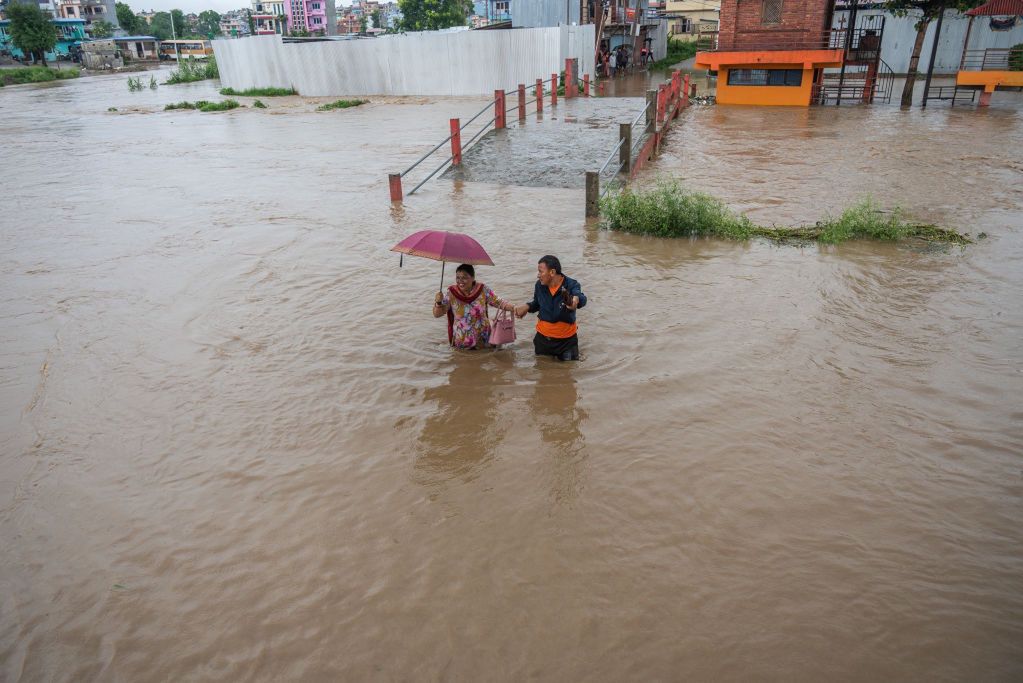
551	262
467	269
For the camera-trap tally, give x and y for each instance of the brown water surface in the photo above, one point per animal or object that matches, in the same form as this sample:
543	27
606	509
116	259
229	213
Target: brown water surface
236	446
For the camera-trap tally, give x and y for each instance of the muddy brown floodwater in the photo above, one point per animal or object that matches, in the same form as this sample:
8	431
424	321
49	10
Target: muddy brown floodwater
236	447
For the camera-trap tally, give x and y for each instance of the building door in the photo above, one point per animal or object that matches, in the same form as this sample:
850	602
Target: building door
138	49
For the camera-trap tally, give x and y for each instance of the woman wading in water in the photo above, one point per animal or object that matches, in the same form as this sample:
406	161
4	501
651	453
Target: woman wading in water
465	303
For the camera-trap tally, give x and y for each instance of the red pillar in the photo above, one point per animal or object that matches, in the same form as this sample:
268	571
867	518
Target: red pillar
662	103
685	91
394	181
456	142
569	80
554	89
499	109
985	99
522	101
600	87
586	85
539	94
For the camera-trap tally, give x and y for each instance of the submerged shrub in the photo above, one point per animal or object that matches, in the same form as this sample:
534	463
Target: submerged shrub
341	104
203	105
669	210
192	69
258	105
259	92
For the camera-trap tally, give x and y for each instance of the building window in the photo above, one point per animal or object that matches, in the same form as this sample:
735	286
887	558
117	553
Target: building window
772	12
500	6
316	5
317	20
787	77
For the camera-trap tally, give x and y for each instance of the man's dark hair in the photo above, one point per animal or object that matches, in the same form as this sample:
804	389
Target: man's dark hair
468	269
551	262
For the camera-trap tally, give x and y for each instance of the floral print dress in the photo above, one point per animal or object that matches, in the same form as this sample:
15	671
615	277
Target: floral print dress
471	326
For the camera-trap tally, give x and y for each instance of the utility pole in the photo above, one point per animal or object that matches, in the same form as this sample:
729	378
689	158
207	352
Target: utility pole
934	51
174	37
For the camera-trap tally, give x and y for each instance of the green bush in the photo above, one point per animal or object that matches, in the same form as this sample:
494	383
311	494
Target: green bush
191	70
258	92
1016	57
341	104
35	74
678	51
669	210
258	105
203	105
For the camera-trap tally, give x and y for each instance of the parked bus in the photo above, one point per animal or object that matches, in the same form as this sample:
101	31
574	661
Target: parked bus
200	49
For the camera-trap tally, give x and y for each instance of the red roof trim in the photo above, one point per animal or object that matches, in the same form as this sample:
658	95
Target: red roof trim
997	8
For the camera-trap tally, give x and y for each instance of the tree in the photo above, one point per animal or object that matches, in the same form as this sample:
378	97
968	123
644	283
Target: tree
929	11
378	19
252	22
127	19
209	23
101	29
31	30
180	25
161	26
431	15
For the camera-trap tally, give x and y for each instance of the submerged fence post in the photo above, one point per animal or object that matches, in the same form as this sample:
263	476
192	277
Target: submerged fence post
661	103
625	149
651	108
685	91
586	85
592	194
456	142
539	95
499	110
554	90
394	181
522	101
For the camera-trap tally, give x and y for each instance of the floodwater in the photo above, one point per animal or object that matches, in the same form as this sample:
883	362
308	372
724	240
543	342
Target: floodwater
236	447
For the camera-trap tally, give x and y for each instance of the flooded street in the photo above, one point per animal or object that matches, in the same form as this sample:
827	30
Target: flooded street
235	444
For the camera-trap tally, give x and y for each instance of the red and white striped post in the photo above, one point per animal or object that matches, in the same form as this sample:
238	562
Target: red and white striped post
522	101
539	95
586	85
394	181
456	142
554	90
499	110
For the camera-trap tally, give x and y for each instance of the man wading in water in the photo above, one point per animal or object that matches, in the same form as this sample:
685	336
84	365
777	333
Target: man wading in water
556	297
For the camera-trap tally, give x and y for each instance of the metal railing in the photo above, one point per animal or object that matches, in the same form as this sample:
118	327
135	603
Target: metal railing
992	59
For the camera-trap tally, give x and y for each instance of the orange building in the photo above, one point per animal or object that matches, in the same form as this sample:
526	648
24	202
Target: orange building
987	70
774	52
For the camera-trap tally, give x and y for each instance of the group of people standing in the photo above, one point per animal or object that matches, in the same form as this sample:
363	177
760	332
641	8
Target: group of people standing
617	60
556	298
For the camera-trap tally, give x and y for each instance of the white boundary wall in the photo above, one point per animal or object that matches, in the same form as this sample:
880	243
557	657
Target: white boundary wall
431	63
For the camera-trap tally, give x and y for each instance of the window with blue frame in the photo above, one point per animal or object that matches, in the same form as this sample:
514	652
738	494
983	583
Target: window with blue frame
782	77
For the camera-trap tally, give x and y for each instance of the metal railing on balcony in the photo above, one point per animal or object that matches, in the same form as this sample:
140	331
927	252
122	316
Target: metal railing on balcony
992	59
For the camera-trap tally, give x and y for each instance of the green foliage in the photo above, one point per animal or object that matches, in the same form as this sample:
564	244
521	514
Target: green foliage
378	19
152	83
1016	57
191	70
161	26
101	29
678	51
134	84
180	25
341	104
259	92
31	30
669	210
204	105
259	105
431	15
209	23
127	19
35	74
111	108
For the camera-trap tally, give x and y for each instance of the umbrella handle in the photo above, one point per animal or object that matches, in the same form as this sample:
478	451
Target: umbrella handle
442	264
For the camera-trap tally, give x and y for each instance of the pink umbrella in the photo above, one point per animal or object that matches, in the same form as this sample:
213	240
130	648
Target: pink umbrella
443	246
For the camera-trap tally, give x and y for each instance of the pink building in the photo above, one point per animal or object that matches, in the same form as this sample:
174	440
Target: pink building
308	15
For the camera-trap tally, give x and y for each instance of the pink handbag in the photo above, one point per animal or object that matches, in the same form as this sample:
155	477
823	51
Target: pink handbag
502	329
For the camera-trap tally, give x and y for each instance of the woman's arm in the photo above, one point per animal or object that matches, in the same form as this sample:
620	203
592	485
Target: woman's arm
439	308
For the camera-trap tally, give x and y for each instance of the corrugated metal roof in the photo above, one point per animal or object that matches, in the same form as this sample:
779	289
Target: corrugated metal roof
997	8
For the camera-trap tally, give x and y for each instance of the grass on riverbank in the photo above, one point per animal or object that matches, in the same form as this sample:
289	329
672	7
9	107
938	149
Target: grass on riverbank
191	70
258	92
678	51
35	74
341	104
203	105
669	210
